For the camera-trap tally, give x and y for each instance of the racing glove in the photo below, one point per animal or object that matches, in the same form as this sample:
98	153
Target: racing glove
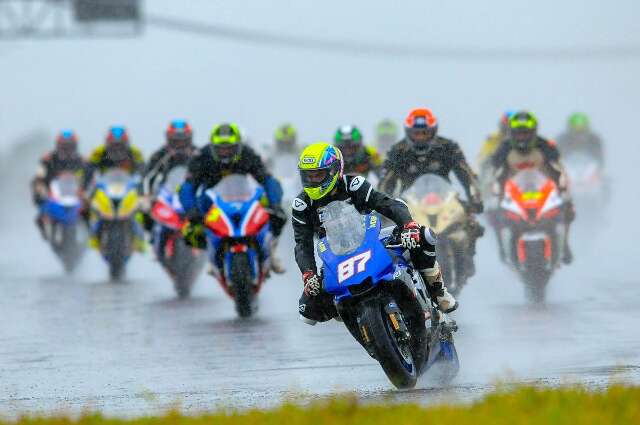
312	283
410	235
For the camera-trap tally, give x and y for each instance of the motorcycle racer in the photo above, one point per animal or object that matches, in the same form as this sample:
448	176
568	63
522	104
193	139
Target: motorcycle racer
118	153
177	151
524	149
423	151
321	171
579	137
493	141
227	154
63	158
358	158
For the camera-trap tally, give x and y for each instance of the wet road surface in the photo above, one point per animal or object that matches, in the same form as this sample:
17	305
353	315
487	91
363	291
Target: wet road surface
81	342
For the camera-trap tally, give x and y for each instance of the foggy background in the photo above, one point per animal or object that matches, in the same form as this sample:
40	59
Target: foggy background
551	57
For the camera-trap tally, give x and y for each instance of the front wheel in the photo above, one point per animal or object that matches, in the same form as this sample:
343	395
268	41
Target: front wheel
185	267
393	353
242	284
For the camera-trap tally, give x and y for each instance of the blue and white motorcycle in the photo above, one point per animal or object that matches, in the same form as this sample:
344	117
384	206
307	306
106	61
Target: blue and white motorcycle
381	299
63	224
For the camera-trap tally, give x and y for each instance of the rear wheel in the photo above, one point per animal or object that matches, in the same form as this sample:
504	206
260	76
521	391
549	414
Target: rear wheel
242	284
394	355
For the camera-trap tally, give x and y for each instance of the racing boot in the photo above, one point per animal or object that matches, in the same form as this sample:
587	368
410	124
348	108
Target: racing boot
40	224
276	264
437	291
139	244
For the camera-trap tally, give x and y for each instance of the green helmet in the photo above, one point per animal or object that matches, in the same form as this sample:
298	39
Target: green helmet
387	133
320	167
226	142
523	130
578	122
286	137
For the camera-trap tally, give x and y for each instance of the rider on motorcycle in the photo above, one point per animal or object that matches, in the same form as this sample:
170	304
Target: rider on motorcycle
118	153
286	140
491	144
421	152
227	154
386	134
358	158
321	172
580	138
176	152
63	158
523	149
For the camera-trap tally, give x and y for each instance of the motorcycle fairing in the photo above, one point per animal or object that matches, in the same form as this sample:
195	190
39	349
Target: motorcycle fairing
370	260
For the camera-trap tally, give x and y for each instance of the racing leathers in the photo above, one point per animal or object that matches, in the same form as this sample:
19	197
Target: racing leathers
51	165
544	156
206	171
404	165
307	223
366	161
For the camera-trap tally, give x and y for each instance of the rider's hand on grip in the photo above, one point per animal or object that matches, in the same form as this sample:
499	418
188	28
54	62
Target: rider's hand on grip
312	283
410	235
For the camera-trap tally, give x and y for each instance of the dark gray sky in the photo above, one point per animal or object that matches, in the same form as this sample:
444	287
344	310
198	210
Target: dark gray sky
145	82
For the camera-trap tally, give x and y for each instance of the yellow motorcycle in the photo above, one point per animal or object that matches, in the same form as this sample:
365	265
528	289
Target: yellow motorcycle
113	206
433	201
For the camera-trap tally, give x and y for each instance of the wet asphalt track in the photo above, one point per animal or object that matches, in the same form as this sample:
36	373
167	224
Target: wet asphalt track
80	342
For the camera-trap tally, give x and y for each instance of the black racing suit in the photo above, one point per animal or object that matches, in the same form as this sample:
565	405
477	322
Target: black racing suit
405	164
160	164
206	171
366	160
307	223
51	165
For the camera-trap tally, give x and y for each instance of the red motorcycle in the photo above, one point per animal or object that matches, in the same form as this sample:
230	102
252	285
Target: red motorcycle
181	262
531	229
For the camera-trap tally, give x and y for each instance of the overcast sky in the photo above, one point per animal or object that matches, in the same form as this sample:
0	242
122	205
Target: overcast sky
145	82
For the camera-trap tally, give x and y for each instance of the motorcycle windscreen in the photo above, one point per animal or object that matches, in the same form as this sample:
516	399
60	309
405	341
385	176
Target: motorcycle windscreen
116	183
370	260
64	190
236	188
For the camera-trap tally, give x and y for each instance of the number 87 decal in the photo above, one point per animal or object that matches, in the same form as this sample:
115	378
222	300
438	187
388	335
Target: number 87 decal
353	265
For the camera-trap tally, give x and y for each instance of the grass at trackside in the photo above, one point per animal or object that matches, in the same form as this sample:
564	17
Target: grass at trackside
571	406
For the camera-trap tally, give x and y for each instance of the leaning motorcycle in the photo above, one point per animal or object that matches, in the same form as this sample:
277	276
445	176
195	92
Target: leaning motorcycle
63	224
381	299
114	204
532	229
239	238
181	262
434	201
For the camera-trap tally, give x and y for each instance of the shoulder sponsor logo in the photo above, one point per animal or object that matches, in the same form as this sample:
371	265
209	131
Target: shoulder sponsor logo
308	160
356	183
299	204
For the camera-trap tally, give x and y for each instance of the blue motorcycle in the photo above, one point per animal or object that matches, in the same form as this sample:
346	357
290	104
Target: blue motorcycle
239	239
63	226
381	299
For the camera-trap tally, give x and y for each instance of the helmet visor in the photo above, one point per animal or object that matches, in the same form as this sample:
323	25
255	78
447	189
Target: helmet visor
421	136
315	178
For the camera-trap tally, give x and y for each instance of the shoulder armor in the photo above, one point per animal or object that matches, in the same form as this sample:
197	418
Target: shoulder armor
355	183
299	203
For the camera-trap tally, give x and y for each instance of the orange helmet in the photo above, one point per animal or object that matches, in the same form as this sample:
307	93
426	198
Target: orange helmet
421	127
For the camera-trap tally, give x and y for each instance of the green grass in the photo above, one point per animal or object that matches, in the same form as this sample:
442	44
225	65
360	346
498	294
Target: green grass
526	405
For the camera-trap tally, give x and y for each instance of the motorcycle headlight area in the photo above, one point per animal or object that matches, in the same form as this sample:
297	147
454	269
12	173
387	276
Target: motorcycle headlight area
102	204
128	204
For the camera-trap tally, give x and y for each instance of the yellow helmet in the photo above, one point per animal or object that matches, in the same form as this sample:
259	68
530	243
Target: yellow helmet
320	167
